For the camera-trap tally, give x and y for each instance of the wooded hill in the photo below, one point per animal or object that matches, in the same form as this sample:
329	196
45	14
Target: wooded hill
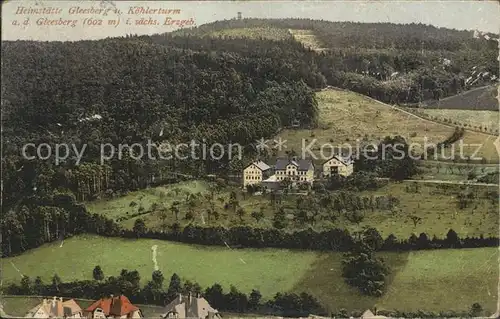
140	89
179	87
391	62
411	36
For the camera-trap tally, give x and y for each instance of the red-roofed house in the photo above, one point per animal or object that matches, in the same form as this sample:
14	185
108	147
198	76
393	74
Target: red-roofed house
113	307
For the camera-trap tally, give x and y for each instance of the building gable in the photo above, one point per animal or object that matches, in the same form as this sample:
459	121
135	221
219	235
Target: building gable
250	167
338	160
334	161
260	165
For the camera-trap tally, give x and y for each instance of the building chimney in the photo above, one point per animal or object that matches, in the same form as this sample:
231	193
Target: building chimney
180	297
116	305
188	305
44	301
60	299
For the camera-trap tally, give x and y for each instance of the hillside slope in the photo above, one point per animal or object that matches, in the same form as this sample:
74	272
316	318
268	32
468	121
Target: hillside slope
483	98
435	280
346	117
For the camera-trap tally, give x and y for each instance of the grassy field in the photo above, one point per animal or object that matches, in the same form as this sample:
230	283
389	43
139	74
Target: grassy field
308	39
484	98
254	33
453	171
164	195
472	118
437	209
264	269
345	117
426	280
438	212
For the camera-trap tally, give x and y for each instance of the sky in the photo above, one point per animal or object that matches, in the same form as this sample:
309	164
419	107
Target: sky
462	15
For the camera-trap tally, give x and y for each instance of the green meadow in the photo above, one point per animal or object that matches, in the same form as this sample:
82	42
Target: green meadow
436	280
437	209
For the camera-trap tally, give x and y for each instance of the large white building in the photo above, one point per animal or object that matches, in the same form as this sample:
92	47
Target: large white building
297	171
338	165
255	173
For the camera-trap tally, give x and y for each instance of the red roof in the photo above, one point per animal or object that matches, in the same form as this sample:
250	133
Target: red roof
116	306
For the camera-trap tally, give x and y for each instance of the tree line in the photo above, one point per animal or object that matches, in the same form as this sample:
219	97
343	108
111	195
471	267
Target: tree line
414	36
157	292
394	63
328	240
154	293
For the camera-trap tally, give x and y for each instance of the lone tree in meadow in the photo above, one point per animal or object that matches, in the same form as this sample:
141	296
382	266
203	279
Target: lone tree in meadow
415	220
98	274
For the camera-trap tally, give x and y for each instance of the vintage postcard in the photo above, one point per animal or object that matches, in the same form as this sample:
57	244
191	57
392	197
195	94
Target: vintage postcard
235	159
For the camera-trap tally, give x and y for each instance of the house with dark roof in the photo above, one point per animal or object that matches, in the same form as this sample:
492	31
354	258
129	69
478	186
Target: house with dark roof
190	307
56	308
255	173
338	165
295	170
113	307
